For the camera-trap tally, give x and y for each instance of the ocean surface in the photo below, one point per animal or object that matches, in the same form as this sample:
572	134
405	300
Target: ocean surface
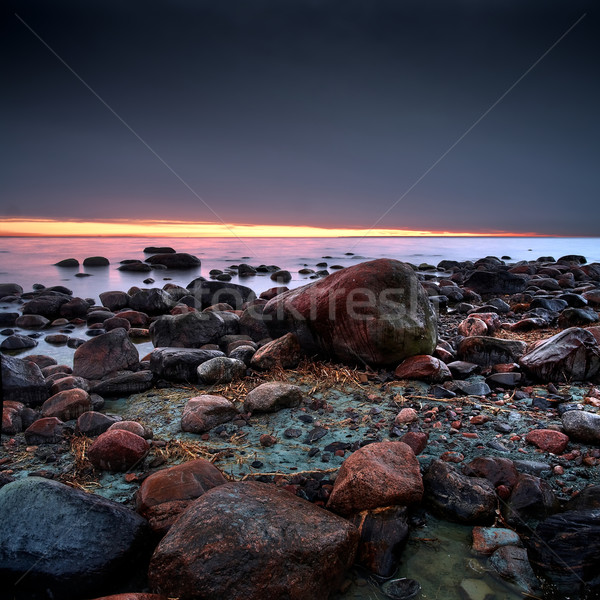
30	260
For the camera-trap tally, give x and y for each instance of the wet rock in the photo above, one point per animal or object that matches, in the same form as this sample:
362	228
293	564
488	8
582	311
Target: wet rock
18	342
588	498
47	430
252	322
284	352
375	312
487	351
105	354
511	564
495	282
67	405
89	544
67	262
151	302
243	353
221	370
47	306
254	541
135	267
281	276
7	319
117	450
423	367
472	326
180	364
486	540
202	413
383	535
11	417
577	317
457	497
548	440
92	423
531	501
582	426
22	381
208	293
376	475
401	589
473	387
124	384
461	369
116	322
135	318
417	440
177	260
164	495
498	471
69	382
189	330
31	322
273	396
96	261
504	380
571	355
159	250
133	427
476	589
114	300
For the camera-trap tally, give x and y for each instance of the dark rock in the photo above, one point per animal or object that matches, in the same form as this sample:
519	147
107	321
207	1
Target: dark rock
159	250
67	405
511	564
69	382
374	312
202	413
243	353
96	261
135	318
47	430
504	380
93	423
177	260
531	501
221	370
89	544
273	396
456	497
255	541
135	267
18	342
423	367
284	352
47	306
282	276
252	322
124	384
8	319
577	317
582	426
151	302
461	369
189	330
117	450
551	304
496	282
487	351
114	300
498	471
213	292
180	364
22	381
474	387
31	322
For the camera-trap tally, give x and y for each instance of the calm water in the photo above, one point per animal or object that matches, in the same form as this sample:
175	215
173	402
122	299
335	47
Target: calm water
30	260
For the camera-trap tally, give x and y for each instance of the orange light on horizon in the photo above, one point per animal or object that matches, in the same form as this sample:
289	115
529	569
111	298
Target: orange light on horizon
13	227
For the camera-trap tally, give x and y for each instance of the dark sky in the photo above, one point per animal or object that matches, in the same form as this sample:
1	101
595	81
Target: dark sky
304	112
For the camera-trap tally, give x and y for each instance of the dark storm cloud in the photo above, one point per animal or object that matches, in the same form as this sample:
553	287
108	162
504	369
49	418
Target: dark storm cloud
306	112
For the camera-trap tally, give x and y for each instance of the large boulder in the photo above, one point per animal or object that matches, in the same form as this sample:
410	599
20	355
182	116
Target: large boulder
284	352
202	413
105	354
375	312
117	450
531	501
487	351
254	541
571	355
124	384
176	260
221	370
495	282
208	293
47	305
188	330
273	396
62	542
582	426
180	364
67	405
151	302
379	474
22	381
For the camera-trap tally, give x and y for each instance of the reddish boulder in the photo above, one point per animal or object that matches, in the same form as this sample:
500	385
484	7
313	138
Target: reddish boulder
375	312
487	351
92	423
417	440
117	450
284	352
11	417
499	471
48	430
202	413
68	404
472	326
68	382
380	474
424	368
135	318
488	539
133	427
254	541
273	396
548	440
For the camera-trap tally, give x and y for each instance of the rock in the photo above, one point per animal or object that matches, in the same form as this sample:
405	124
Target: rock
18	342
98	316
189	330
474	387
272	292
88	543
243	353
284	352
117	450
68	382
383	535
159	250
487	351
531	501
105	354
511	564
96	261
47	430
180	364
254	541
549	440
67	405
406	415
472	326
456	497
133	596
11	417
423	367
133	427
221	370
41	360
461	369
375	312
377	475
281	276
151	302
582	426
565	552
93	423
417	440
476	589
124	384
571	355
164	495
213	292
10	289
504	380
486	540
57	339
401	589
31	322
496	282
498	471
135	267
22	381
114	300
46	306
8	319
252	322
273	396
135	318
202	413
177	260
592	297
116	322
577	317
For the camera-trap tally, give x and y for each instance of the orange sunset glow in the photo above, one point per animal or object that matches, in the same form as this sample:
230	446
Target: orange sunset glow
157	228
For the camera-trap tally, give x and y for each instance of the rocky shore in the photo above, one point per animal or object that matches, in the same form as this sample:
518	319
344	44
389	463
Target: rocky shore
288	445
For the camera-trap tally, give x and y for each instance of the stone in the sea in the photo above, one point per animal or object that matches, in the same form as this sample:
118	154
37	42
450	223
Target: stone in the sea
188	330
96	261
114	300
495	282
486	540
511	564
254	541
18	342
375	312
376	475
31	322
67	262
61	539
151	302
202	413
208	293
273	396
105	354
159	250
177	260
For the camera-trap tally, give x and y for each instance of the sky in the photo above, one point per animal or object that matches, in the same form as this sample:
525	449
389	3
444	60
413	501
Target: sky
253	116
